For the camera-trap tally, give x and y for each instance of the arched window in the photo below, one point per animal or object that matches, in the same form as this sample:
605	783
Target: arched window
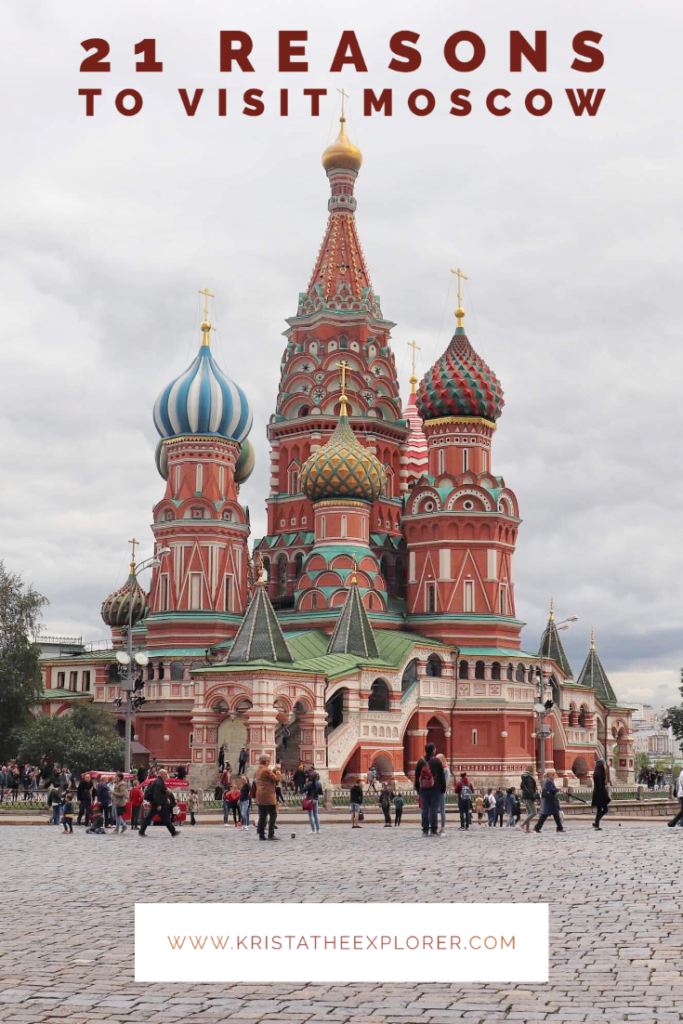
463	670
520	675
370	604
379	696
434	665
582	716
177	671
409	675
495	670
162	670
572	715
113	673
294	487
479	670
298	562
510	672
150	671
343	341
304	411
314	602
530	675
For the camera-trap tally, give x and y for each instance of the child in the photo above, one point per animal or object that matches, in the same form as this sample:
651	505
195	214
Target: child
511	806
193	805
96	824
398	808
68	818
479	808
135	797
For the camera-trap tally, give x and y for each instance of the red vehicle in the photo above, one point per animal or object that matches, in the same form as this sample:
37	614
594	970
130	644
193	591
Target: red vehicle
180	789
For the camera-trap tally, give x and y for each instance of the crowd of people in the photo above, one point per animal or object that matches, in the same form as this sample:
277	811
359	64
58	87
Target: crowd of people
113	802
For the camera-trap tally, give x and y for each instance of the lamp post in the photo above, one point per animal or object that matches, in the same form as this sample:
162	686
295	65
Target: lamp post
543	707
129	660
456	657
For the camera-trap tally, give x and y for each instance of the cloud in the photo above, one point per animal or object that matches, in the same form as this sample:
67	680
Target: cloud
564	225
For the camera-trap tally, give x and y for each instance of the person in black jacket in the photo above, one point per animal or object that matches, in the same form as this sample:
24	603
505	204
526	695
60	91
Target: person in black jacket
158	796
529	796
104	800
84	797
430	783
601	798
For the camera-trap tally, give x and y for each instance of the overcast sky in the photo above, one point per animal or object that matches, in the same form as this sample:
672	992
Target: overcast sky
569	229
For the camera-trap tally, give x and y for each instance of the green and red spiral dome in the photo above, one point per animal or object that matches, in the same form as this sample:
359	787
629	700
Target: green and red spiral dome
460	384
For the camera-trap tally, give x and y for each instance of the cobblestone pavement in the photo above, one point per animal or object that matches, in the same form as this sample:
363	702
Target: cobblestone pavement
66	921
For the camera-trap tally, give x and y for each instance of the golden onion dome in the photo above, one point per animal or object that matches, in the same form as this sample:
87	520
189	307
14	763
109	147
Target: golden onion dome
342	153
343	468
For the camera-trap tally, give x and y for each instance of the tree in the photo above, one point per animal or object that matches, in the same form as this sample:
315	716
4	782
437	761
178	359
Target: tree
642	761
83	741
21	686
674	716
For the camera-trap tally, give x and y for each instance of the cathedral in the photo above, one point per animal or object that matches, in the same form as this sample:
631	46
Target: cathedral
378	612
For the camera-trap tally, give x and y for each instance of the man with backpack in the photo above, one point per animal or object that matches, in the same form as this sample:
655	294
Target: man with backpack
430	783
464	792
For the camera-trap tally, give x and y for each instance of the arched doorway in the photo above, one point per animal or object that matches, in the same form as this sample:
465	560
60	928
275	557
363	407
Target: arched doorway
288	734
384	766
232	730
409	675
436	734
335	709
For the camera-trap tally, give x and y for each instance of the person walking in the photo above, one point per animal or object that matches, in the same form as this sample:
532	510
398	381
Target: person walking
499	798
398	809
313	790
678	792
84	797
430	783
266	780
464	792
136	799
529	796
242	761
601	798
385	798
120	801
193	805
158	797
550	803
356	802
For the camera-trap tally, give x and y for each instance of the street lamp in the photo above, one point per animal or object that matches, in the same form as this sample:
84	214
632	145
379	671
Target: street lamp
543	708
134	661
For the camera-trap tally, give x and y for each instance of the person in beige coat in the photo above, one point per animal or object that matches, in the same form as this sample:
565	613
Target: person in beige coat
265	781
120	795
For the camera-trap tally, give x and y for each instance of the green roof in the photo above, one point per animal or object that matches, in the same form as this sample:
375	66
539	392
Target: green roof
551	648
60	693
495	652
309	650
353	633
594	676
260	636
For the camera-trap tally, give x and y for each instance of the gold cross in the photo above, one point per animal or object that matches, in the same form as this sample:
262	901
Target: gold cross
343	366
207	295
345	96
134	543
413	380
354	578
460	276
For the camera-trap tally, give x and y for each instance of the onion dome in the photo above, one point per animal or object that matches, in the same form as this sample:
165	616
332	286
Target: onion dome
161	459
245	463
343	467
116	610
203	400
342	153
460	383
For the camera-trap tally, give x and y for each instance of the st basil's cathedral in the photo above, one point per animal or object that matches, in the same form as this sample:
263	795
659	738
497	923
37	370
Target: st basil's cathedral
378	612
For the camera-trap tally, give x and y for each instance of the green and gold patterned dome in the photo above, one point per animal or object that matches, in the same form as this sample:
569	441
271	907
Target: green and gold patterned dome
343	467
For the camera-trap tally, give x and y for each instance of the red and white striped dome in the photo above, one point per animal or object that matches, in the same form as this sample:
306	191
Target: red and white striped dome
416	445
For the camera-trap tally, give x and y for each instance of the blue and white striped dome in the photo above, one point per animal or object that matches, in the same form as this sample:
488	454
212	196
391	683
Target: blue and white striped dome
203	401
